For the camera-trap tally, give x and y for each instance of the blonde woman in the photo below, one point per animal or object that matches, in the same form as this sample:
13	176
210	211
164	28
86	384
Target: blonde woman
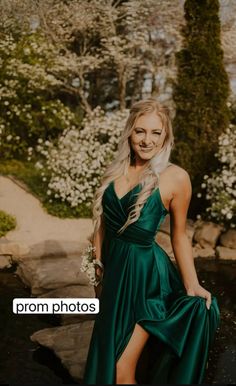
156	322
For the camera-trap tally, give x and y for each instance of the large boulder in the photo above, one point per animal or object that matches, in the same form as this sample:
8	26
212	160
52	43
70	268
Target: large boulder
207	234
10	248
5	261
49	248
228	239
165	227
50	265
163	235
164	241
207	252
224	253
70	343
72	291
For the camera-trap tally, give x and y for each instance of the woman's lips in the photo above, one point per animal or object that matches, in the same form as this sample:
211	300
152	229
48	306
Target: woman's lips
145	149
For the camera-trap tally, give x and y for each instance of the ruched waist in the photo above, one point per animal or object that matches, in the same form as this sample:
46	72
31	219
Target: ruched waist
140	236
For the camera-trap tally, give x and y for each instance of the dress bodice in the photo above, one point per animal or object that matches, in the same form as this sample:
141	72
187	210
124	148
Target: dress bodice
116	211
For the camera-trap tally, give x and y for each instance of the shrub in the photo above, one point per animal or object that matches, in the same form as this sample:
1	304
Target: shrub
7	223
78	159
200	93
220	186
29	108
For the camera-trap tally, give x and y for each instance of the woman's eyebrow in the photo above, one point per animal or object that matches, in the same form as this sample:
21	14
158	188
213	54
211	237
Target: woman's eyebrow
142	128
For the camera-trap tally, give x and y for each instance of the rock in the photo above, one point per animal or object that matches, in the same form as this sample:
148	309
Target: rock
228	239
224	253
163	235
72	291
164	241
190	229
13	249
203	252
70	344
165	227
5	261
50	249
44	274
207	234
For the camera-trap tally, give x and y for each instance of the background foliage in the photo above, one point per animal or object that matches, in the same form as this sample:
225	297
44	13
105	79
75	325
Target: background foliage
70	70
201	92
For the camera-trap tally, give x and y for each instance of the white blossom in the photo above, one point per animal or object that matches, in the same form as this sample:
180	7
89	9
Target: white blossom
221	185
79	158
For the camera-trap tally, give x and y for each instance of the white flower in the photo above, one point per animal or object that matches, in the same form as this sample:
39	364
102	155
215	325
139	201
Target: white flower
87	265
26	51
220	186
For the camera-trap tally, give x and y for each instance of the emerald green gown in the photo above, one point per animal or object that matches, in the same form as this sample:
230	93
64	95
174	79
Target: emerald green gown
142	285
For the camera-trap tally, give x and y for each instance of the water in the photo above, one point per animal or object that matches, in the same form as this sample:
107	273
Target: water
24	362
220	280
21	360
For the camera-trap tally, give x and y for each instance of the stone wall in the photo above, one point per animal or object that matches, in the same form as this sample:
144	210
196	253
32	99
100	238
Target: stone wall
209	240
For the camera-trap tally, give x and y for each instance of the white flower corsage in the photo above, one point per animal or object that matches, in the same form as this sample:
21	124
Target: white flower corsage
88	264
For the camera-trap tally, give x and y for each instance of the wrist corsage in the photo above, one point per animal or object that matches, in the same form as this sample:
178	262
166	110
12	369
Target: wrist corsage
89	263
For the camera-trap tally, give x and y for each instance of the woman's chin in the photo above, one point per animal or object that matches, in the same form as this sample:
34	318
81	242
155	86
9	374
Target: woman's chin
145	156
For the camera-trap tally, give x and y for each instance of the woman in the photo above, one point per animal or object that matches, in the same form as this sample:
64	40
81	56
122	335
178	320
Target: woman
156	322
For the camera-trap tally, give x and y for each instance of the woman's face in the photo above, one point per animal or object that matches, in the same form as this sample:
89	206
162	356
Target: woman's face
147	137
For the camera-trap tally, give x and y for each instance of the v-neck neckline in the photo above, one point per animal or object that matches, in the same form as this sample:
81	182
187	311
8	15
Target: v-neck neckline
120	198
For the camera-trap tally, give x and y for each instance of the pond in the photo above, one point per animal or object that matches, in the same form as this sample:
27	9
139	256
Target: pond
23	362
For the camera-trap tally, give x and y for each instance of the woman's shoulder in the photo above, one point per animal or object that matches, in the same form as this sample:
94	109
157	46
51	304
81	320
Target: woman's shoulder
177	171
178	176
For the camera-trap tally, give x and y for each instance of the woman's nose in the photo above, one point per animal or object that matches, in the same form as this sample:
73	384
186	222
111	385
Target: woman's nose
147	139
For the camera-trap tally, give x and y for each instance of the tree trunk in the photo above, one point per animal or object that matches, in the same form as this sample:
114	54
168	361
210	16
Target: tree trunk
122	87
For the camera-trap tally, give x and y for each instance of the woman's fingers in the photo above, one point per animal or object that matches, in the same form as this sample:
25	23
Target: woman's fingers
200	291
98	271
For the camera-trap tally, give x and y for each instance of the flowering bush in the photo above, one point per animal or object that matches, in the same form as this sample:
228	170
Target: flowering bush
76	162
220	187
28	106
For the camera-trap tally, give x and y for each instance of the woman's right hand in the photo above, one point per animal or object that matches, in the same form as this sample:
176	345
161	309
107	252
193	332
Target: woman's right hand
99	274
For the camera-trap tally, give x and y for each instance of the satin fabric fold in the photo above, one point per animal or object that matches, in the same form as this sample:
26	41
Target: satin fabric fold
142	285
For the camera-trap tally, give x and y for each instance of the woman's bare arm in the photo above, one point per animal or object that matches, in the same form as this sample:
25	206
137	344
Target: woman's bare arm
180	242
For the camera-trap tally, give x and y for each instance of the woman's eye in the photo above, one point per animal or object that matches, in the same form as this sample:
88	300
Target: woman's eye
138	131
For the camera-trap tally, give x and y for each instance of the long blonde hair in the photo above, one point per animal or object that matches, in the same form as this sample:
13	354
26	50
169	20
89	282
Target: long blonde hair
124	158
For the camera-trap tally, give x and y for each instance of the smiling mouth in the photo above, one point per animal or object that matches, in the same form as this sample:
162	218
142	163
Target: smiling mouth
146	149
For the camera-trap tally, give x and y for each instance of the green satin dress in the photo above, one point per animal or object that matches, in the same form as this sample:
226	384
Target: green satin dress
142	285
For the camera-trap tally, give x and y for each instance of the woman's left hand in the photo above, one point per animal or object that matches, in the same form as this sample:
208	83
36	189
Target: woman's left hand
198	290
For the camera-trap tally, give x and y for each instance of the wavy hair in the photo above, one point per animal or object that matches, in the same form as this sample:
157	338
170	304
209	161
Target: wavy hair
125	157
